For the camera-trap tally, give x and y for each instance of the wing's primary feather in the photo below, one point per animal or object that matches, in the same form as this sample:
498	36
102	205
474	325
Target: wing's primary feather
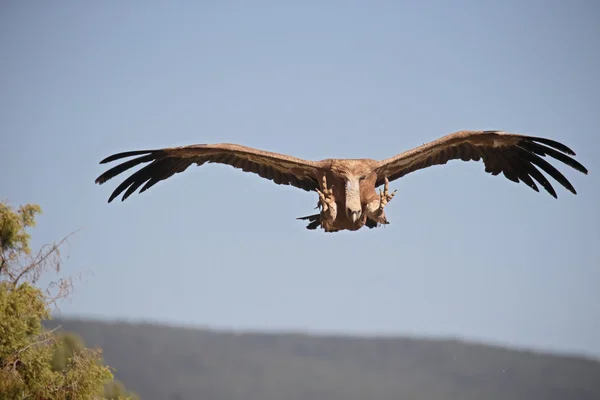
517	156
164	163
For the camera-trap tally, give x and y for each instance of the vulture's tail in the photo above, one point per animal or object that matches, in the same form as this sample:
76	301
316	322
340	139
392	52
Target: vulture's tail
315	222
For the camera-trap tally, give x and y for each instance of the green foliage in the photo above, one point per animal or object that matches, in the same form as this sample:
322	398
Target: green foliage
70	345
26	353
14	239
115	390
36	363
12	227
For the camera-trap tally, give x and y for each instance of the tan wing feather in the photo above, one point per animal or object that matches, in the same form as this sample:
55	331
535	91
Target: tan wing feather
164	163
516	156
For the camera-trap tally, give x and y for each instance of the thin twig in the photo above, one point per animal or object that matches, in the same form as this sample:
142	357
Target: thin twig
47	333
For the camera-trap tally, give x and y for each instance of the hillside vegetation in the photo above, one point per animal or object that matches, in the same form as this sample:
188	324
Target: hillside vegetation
36	363
163	362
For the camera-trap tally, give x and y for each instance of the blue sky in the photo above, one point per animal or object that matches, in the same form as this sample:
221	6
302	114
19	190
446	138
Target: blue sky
466	254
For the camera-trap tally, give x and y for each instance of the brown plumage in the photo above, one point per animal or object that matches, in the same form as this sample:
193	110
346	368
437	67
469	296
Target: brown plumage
347	187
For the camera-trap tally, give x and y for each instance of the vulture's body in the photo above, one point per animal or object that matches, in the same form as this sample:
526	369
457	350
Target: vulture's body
348	199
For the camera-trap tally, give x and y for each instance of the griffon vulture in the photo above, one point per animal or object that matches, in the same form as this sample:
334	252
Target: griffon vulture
348	199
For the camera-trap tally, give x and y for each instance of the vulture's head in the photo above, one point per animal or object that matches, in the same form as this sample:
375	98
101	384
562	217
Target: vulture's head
359	178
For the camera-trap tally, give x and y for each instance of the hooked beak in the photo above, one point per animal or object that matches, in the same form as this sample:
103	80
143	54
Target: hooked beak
354	215
353	204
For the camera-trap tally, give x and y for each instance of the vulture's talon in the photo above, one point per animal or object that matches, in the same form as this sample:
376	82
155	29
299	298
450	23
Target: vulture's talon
327	204
385	196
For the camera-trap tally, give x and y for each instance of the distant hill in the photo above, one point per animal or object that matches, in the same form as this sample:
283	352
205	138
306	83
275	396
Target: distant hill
171	363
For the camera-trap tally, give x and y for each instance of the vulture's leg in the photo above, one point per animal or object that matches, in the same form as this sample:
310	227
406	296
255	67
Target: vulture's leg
327	205
375	208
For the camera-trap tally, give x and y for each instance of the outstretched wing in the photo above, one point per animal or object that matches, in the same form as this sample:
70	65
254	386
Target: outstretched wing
516	156
164	163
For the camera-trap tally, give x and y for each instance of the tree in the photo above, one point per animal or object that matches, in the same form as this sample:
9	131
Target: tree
37	363
70	344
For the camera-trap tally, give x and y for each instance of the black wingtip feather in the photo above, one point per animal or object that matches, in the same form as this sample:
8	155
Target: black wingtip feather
540	178
549	169
116	170
124	154
544	150
149	184
552	143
